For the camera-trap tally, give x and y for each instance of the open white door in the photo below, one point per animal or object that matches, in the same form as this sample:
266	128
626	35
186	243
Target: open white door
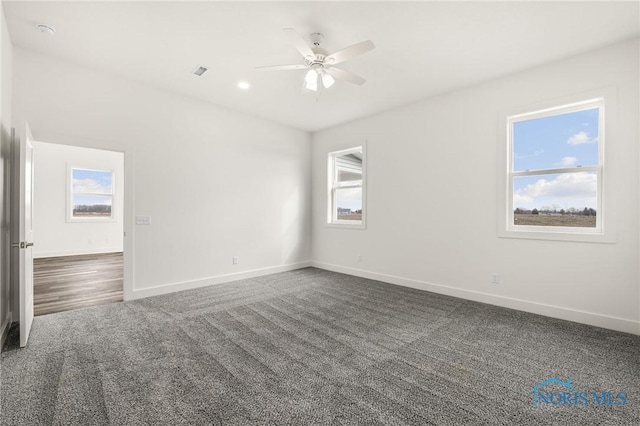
25	233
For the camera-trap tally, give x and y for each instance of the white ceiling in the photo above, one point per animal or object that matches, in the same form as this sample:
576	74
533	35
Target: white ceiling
422	48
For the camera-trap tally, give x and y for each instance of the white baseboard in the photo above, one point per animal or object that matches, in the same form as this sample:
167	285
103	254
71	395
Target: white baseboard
590	318
61	253
219	279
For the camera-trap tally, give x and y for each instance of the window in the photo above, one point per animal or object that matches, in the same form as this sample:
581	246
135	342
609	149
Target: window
91	195
554	179
346	188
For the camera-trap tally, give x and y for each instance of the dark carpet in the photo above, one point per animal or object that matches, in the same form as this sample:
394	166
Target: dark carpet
316	347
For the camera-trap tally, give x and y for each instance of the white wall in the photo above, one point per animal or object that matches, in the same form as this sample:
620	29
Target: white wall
6	60
54	235
438	159
215	183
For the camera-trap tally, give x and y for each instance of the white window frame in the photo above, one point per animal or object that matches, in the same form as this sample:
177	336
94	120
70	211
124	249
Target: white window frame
70	193
333	185
604	231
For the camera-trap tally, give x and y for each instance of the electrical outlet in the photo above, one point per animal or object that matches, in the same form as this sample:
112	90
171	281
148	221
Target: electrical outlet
495	278
235	260
359	258
89	241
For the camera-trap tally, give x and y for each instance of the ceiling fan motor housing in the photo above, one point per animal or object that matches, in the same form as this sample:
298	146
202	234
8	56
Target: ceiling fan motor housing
321	55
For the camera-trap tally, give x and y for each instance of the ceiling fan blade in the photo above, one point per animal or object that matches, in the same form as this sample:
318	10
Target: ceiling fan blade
299	43
282	67
340	74
350	52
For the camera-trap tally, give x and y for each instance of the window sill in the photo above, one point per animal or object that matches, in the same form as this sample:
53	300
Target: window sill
562	234
92	220
345	225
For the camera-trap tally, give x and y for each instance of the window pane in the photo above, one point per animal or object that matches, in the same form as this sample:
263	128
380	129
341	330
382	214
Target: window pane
566	199
349	204
346	175
349	167
563	140
92	181
91	205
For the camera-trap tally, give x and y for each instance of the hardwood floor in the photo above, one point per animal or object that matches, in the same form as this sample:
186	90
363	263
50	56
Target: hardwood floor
71	282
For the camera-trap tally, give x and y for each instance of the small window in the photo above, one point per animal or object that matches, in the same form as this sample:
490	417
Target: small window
555	169
91	195
346	188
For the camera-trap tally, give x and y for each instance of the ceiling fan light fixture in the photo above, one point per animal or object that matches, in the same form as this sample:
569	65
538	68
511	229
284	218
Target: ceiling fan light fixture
311	80
327	80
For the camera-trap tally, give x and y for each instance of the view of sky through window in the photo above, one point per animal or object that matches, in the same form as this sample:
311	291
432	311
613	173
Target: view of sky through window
92	192
349	199
560	141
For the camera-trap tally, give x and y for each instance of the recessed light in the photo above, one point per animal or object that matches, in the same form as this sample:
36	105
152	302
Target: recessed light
46	29
244	85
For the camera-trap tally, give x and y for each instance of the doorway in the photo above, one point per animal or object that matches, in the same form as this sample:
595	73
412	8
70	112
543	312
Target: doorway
78	227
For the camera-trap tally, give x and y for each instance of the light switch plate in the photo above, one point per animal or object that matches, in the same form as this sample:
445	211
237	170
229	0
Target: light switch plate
143	220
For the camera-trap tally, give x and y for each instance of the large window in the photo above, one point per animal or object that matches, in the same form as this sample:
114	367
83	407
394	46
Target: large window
91	194
346	188
555	169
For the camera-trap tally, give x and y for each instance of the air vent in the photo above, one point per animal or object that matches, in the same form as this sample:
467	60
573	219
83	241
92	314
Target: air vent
200	69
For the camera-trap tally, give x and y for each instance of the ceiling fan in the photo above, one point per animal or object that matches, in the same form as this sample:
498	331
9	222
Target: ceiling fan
320	64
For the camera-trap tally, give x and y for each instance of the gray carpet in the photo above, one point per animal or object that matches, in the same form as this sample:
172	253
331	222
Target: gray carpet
312	347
